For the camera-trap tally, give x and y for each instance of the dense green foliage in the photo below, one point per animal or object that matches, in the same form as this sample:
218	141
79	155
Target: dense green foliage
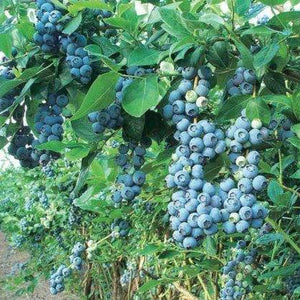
98	99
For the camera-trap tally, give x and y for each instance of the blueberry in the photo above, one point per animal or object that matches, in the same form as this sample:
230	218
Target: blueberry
183	214
177	236
229	227
249	76
204	198
93	117
50	28
57	129
174	95
178	107
184	86
98	128
242	122
234	91
259	211
197	171
196	184
189	243
182	178
241	135
216	215
183	150
184	228
54	16
245	185
183	125
205	72
209	152
242	226
191	109
71	48
232	204
253	157
245	213
227	184
247	200
202	90
47	7
250	171
255	137
237	79
168	111
189	73
210	140
184	137
139	177
193	219
205	221
246	88
86	71
127	193
196	144
220	147
75	72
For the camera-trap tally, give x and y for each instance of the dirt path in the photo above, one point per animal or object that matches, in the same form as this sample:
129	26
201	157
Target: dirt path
9	259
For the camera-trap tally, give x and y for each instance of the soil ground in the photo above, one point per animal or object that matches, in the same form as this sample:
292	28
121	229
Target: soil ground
9	259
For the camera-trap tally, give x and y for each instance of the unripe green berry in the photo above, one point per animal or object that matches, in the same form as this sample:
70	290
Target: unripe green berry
234	217
241	161
256	124
202	102
191	96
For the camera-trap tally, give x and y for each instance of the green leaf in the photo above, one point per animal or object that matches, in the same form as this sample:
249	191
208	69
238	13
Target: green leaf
73	24
77	153
141	95
7	86
210	246
59	4
265	55
273	2
3	141
232	107
173	23
269	238
260	30
99	96
168	254
125	24
213	168
218	55
283	19
149	249
149	285
143	56
245	53
212	19
55	146
295	141
6	43
92	4
274	189
296	128
257	108
282	271
242	6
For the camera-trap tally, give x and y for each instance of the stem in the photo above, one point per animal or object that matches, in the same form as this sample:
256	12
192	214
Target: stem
207	296
280	166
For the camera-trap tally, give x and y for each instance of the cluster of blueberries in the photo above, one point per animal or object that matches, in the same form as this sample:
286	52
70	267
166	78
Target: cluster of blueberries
75	257
110	117
284	129
57	279
187	101
50	38
292	282
23	223
120	228
49	172
8	99
21	147
48	26
128	185
48	123
263	20
77	58
198	206
244	134
233	273
43	199
102	14
242	82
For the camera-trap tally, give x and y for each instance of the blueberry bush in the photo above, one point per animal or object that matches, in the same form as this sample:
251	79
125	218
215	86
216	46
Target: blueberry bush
153	147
